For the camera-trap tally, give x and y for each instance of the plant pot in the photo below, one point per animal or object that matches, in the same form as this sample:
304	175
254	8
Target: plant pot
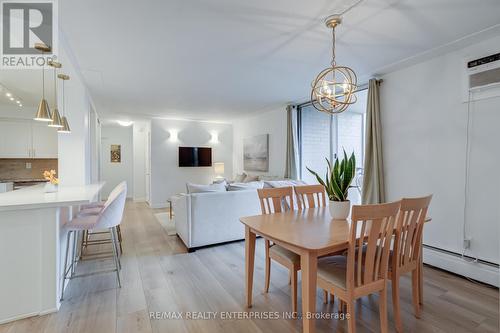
50	188
339	210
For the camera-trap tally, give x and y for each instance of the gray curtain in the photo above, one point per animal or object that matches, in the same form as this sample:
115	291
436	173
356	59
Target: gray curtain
373	190
292	144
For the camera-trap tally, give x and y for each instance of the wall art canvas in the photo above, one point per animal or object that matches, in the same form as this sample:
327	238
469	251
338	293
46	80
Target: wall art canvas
116	153
256	153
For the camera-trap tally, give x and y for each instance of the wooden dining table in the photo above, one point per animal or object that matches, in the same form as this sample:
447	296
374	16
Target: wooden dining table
310	233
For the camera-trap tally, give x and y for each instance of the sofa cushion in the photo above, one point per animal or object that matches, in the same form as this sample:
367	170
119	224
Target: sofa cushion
251	178
245	186
200	188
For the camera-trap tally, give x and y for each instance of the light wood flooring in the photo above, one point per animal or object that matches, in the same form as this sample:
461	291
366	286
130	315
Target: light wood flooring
158	275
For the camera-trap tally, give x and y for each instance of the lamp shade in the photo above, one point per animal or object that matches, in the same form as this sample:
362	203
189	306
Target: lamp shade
219	168
65	128
56	119
43	112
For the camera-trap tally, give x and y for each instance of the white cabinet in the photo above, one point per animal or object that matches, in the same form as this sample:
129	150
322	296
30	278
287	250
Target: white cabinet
27	139
44	141
15	139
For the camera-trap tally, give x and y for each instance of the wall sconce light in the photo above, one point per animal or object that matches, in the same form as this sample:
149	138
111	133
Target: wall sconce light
174	135
214	137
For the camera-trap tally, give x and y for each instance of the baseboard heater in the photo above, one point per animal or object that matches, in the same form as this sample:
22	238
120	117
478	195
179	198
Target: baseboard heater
459	255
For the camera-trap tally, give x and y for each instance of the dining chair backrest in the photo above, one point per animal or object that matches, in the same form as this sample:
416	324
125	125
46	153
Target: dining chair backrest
275	200
311	196
370	238
112	214
409	228
115	192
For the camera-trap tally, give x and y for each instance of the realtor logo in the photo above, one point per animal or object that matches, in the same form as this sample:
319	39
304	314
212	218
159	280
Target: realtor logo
24	24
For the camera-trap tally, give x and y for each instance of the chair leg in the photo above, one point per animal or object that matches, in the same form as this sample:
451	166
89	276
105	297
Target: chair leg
395	303
268	267
383	311
65	265
115	244
325	296
294	289
415	292
73	265
351	319
332	298
115	255
119	231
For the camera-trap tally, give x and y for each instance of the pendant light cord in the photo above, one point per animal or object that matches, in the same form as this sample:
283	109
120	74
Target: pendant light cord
333	47
63	106
55	87
43	80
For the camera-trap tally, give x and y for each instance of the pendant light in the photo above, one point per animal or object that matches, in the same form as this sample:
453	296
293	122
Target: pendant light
56	117
65	125
43	112
333	90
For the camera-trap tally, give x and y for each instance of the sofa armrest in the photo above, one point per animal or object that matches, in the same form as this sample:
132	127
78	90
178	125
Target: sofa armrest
181	205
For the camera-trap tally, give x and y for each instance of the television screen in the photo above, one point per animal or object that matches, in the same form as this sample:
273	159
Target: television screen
195	157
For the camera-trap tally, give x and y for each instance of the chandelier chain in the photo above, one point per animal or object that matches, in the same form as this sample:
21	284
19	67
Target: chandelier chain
333	47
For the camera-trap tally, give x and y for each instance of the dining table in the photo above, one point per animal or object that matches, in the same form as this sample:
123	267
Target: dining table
310	233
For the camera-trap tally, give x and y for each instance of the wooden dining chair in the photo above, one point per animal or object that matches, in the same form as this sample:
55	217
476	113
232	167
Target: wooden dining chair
309	196
363	270
405	255
277	200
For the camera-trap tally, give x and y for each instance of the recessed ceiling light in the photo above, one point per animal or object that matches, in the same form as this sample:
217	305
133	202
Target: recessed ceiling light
12	98
125	123
8	94
20	105
18	102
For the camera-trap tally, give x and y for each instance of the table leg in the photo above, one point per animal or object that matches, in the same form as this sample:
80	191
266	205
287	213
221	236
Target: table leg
309	267
249	263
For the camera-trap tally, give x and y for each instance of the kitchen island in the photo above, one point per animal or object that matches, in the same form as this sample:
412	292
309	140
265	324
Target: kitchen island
31	256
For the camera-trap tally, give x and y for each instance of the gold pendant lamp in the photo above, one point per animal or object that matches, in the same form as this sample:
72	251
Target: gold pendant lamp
65	125
56	117
333	90
43	112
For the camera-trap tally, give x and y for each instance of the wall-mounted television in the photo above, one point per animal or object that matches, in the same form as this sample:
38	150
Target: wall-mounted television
195	157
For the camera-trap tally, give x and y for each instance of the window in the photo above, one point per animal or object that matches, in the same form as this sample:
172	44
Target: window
322	135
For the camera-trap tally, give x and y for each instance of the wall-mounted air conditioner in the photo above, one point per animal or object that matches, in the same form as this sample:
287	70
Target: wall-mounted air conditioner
482	77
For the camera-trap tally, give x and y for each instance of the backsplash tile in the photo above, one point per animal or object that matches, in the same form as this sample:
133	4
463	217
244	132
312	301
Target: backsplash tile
15	169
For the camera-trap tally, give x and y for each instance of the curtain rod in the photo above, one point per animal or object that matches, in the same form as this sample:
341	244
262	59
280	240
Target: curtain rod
360	88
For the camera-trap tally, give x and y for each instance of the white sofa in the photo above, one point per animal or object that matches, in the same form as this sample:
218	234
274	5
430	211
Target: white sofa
211	218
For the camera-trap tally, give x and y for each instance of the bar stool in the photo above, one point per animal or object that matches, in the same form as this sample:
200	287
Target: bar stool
95	209
109	218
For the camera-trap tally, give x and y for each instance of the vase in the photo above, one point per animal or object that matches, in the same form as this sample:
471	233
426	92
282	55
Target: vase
339	210
50	188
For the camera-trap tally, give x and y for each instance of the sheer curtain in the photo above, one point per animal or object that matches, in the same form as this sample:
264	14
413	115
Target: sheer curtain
373	190
292	144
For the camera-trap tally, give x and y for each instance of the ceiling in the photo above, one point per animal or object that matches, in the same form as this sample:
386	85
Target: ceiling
221	59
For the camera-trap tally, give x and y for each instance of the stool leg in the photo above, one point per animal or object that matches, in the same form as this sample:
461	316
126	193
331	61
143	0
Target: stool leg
113	238
115	244
65	265
75	237
119	231
84	233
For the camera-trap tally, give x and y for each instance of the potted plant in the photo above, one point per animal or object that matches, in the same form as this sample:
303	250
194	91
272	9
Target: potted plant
337	181
51	185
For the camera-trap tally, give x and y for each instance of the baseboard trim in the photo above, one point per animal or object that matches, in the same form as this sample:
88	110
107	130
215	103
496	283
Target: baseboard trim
27	315
453	262
140	199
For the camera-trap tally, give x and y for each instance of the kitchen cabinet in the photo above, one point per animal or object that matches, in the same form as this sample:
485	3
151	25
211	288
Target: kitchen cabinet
44	140
27	139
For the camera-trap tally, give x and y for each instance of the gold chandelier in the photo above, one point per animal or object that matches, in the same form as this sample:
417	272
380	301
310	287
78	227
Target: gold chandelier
333	90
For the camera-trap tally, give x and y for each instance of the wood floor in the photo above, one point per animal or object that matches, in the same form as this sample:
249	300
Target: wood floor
159	276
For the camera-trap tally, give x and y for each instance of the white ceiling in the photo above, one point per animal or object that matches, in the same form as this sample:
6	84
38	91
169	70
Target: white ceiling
220	59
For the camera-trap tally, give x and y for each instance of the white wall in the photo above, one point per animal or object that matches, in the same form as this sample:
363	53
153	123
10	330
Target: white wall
74	148
114	173
140	140
424	137
167	178
272	123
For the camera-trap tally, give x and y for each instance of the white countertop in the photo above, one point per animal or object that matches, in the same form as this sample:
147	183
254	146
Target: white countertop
34	197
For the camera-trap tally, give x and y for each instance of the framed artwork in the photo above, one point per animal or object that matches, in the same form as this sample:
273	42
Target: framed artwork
116	153
256	153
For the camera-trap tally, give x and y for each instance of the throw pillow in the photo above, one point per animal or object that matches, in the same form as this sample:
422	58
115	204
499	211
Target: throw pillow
245	186
240	178
250	178
199	188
